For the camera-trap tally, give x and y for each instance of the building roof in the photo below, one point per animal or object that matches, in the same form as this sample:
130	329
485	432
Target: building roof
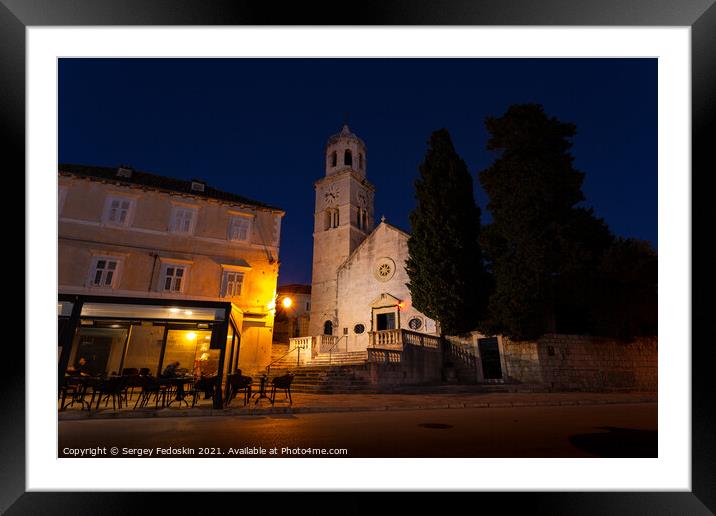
295	289
161	183
345	134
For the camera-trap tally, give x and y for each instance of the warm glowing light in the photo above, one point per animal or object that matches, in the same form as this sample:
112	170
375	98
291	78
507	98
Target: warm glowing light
174	310
188	312
287	302
272	304
191	335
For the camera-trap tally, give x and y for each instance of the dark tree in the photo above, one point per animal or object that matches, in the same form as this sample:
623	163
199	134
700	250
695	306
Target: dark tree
626	300
541	247
447	277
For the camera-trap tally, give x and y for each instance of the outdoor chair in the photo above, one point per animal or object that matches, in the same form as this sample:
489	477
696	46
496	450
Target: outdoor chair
236	383
284	383
112	387
132	381
150	387
203	385
72	390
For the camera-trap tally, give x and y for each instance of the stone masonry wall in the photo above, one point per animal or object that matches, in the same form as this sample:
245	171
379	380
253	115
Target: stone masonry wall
576	362
416	366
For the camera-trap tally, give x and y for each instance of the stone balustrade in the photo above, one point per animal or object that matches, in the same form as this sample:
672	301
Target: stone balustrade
398	338
300	343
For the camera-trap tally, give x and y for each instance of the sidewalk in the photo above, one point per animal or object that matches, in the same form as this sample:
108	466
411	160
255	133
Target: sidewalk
304	403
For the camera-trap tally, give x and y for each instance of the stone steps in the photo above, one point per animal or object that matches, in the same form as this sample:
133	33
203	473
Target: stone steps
342	378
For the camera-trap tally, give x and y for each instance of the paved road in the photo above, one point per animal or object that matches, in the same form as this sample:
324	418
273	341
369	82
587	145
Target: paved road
619	430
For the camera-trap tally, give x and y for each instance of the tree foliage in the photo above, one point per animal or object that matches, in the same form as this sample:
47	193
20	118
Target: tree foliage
445	268
541	247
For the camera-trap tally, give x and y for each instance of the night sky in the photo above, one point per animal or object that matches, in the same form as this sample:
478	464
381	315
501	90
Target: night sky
257	127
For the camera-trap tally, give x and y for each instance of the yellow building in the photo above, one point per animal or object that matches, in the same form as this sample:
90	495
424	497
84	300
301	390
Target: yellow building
180	249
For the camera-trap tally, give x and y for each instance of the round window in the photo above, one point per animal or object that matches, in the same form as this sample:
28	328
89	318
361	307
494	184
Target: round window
384	269
415	323
358	328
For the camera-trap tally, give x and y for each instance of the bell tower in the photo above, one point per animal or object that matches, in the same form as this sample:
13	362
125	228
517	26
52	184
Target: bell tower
343	218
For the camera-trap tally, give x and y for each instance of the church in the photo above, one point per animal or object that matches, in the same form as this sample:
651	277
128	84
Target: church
358	284
365	334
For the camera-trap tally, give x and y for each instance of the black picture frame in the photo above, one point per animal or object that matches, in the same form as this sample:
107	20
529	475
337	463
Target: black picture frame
700	15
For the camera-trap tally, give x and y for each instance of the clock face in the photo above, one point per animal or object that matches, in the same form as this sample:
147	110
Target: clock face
331	195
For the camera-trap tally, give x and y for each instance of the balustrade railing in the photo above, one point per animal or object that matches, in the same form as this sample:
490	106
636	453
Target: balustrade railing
460	354
326	343
399	337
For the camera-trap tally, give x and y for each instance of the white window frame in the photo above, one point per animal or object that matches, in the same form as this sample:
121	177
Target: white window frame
225	283
233	218
129	217
166	265
116	272
176	209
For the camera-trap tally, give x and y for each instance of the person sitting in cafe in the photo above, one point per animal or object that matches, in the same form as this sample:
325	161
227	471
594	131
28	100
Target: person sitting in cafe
170	371
81	369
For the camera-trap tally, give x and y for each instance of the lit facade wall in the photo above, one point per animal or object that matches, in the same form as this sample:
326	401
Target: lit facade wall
145	244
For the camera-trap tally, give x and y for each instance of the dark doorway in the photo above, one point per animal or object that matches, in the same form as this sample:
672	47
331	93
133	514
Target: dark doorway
328	328
490	358
385	321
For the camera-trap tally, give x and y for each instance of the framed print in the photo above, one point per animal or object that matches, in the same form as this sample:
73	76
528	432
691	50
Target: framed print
396	248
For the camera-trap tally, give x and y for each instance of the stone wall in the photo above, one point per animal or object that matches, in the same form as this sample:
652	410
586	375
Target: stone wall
576	362
413	365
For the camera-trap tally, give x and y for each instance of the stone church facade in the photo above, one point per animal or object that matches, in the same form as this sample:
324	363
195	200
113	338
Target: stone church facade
359	277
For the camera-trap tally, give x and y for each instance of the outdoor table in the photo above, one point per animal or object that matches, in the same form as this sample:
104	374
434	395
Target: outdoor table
262	389
179	382
83	383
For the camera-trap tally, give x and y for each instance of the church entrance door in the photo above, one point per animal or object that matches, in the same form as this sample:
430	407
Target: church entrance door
385	321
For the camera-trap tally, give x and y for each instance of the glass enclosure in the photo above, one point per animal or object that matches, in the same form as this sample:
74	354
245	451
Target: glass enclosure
143	336
101	348
144	347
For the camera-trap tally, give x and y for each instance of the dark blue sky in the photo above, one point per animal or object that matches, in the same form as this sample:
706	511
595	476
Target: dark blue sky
257	127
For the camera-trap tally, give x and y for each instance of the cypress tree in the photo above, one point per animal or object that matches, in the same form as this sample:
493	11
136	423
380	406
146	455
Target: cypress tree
447	277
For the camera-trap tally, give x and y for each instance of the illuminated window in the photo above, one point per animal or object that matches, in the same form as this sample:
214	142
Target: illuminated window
117	210
174	277
183	219
231	284
104	272
239	228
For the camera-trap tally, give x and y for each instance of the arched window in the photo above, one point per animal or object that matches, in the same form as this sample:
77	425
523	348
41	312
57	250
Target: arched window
328	328
348	158
358	218
334	159
336	218
327	220
360	161
365	220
